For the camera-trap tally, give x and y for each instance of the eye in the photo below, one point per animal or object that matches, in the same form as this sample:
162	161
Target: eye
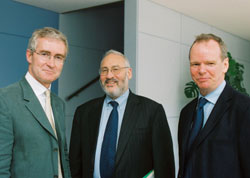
115	69
194	64
104	71
44	54
59	58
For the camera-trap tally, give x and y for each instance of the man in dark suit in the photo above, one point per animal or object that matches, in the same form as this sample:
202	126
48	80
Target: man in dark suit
221	147
32	140
142	137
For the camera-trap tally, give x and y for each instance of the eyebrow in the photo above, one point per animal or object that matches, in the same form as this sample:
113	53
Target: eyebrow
111	66
58	54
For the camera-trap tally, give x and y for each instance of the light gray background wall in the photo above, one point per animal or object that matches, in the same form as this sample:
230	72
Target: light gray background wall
91	32
160	54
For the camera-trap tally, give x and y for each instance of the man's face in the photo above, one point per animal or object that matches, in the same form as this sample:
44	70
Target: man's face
41	68
114	85
206	66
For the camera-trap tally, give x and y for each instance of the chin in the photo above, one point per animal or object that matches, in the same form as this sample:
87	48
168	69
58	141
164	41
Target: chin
203	84
113	93
110	90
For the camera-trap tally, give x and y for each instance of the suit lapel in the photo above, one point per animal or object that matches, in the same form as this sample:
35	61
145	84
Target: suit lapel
94	123
57	113
33	105
221	106
128	124
187	124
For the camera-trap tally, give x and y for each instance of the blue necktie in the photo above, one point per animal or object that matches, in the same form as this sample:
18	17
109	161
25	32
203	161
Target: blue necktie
198	121
197	125
107	160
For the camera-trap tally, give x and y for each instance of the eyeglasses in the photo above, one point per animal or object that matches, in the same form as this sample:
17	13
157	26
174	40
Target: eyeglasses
114	70
46	56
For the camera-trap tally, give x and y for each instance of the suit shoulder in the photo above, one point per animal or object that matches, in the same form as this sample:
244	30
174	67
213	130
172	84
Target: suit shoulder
241	96
9	94
10	90
91	103
188	105
240	99
146	100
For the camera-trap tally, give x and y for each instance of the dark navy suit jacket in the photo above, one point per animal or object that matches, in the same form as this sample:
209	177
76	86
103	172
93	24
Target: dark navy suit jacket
222	149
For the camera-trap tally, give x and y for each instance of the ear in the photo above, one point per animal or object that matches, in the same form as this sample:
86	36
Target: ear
226	65
129	73
29	55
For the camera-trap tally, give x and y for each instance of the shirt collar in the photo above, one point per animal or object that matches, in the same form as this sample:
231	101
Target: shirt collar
214	95
36	86
120	100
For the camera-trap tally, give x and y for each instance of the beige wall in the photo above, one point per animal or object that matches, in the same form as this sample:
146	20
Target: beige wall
162	38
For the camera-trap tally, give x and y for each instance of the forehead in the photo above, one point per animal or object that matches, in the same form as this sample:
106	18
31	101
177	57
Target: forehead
51	44
206	48
210	45
113	60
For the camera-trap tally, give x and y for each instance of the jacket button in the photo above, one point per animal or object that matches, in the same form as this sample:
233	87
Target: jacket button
55	149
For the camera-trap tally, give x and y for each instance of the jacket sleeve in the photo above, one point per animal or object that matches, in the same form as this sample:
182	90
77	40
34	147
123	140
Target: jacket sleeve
75	148
67	169
244	142
6	140
163	156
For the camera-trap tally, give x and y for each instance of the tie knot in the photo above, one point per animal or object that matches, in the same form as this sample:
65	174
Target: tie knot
47	93
202	102
114	104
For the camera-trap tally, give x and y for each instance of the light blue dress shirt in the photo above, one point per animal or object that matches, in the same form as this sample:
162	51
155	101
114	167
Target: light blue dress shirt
106	110
212	99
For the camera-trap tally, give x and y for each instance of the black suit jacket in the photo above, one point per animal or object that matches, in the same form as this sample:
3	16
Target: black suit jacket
222	149
144	143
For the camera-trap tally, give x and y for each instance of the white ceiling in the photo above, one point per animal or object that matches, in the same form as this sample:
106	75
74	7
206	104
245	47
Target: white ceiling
232	16
62	6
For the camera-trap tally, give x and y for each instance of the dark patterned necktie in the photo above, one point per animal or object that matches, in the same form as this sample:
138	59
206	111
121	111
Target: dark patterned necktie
196	127
107	160
198	121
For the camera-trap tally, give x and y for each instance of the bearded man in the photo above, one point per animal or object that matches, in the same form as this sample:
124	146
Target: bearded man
120	135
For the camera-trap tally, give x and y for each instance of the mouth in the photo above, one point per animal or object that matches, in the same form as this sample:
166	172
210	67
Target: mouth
49	71
110	82
202	79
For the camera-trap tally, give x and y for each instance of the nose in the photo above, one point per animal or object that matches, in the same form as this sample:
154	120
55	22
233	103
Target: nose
51	61
110	74
202	69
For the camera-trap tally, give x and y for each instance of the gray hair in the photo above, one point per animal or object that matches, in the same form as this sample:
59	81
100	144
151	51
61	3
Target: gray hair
206	37
112	51
46	32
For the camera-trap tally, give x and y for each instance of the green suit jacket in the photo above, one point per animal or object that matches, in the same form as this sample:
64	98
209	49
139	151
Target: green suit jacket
28	145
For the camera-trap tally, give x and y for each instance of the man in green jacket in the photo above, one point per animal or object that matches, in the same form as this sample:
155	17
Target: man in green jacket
32	137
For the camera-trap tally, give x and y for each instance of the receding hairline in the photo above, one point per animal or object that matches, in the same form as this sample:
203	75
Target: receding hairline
204	38
114	52
47	32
